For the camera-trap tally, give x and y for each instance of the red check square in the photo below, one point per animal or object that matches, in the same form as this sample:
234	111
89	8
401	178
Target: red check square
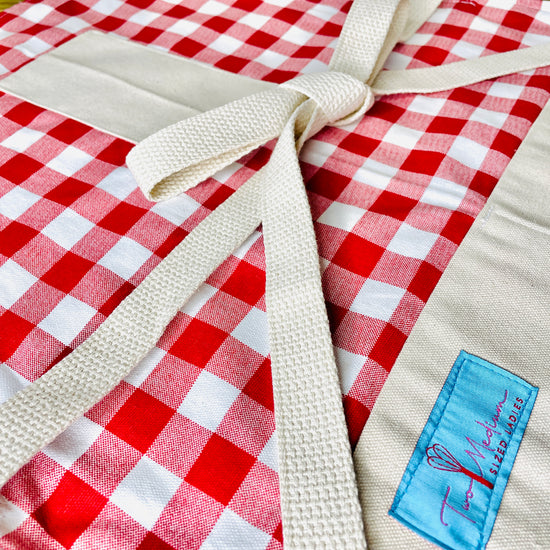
152	542
67	272
516	20
140	420
19	168
394	205
424	281
68	191
446	125
260	387
188	47
262	39
328	184
483	183
121	218
198	343
24	113
431	55
178	12
457	227
247	283
70	510
358	255
360	145
116	152
69	131
360	414
388	346
220	469
217	197
72	8
423	162
115	299
14	237
501	44
13	330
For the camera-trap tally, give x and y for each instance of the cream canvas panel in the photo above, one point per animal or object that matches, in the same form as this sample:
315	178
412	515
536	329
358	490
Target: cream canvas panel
123	78
493	301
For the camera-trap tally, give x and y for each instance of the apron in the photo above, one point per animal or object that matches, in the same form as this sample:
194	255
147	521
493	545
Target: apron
183	452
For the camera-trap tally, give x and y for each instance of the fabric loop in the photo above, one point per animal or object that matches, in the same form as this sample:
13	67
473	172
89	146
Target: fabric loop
180	156
339	95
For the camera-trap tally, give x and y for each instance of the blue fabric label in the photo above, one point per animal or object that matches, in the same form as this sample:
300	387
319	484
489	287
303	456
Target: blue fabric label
452	488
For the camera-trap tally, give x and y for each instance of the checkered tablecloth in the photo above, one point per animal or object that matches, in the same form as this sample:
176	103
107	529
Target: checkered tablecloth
182	454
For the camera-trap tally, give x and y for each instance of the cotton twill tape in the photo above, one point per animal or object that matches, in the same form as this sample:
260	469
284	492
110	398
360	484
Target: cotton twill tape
319	500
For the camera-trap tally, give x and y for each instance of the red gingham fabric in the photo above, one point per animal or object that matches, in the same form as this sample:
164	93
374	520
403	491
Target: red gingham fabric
182	454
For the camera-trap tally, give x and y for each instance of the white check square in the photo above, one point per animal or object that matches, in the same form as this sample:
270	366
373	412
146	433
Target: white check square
14	282
252	331
466	50
226	44
483	25
125	258
212	8
426	105
69	161
67	319
492	118
468	152
33	47
11	516
271	59
412	242
199	298
143	17
254	20
343	216
208	400
145	491
247	245
419	39
73	25
377	300
349	366
184	27
10	383
231	527
22	139
326	13
69	446
145	367
317	152
296	35
36	13
119	183
68	228
506	90
269	455
402	136
16	202
375	174
444	193
397	61
107	7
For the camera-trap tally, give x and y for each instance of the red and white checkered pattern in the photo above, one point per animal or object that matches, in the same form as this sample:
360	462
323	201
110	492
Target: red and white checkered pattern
182	454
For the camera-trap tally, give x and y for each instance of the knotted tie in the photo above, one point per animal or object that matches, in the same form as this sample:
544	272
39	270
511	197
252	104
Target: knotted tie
320	507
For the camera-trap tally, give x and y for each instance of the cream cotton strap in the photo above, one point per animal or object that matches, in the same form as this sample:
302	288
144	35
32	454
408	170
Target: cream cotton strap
320	507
